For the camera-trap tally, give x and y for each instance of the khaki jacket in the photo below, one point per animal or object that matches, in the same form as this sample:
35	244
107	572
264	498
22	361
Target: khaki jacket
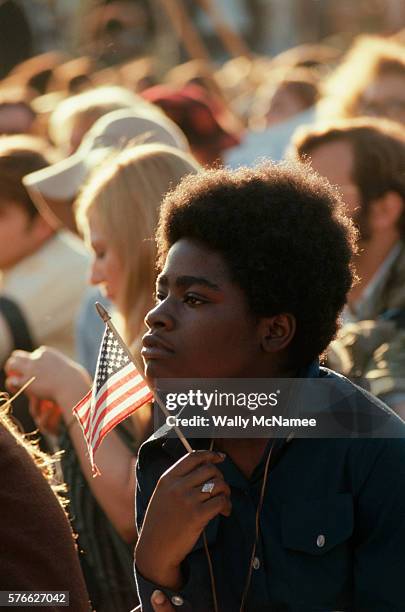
373	348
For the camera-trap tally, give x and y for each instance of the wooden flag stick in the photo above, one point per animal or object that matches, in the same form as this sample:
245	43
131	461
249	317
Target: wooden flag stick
107	320
9	401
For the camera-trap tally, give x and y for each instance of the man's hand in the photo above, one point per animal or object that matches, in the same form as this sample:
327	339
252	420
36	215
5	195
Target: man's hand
53	371
177	514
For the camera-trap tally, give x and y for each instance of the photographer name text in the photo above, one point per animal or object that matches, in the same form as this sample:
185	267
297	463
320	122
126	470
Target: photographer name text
238	421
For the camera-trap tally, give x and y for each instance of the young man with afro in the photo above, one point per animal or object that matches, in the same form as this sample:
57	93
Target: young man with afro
255	267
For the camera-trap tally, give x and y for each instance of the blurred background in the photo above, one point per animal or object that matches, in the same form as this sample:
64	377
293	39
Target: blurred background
115	30
207	81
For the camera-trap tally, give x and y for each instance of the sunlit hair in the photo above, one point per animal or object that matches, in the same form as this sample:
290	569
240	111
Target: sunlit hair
89	106
280	229
378	148
369	58
45	463
126	195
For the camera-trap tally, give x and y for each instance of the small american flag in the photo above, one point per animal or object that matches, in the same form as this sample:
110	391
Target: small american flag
118	390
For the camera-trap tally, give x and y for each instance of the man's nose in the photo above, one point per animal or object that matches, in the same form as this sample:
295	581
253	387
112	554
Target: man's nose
160	317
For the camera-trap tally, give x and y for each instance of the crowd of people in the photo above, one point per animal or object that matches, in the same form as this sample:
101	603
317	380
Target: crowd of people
290	266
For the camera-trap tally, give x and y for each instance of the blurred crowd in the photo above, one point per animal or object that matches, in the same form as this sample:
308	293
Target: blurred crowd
90	145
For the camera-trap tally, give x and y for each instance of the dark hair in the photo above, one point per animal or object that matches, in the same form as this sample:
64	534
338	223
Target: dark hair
378	148
303	89
20	155
283	234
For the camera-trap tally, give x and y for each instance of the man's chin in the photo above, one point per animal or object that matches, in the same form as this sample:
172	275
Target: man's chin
155	369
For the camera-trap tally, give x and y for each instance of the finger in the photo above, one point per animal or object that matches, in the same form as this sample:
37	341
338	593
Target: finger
219	504
160	603
220	488
15	373
13	383
201	474
189	462
16	359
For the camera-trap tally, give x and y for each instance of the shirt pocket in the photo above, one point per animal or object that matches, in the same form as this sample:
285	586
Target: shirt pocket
316	537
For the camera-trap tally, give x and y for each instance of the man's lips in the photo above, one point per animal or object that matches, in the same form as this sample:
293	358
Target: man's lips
154	347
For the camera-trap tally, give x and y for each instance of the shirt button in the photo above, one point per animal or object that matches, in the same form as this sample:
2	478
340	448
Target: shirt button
320	541
256	563
177	600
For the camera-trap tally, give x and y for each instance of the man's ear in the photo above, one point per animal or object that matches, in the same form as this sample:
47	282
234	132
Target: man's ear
277	332
42	229
385	212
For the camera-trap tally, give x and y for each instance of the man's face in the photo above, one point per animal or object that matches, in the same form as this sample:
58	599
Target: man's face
18	234
15	119
284	105
385	97
334	161
201	326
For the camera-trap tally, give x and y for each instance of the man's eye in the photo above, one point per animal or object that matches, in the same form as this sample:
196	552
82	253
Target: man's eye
159	297
192	300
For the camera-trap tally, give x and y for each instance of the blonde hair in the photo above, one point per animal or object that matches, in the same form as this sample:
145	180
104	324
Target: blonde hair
368	58
126	195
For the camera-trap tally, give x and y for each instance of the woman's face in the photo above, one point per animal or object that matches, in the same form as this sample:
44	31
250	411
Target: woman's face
385	97
201	326
107	269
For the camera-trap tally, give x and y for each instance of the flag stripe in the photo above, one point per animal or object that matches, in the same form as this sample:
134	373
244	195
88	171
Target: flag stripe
110	414
110	396
111	426
111	381
125	373
106	410
131	379
83	402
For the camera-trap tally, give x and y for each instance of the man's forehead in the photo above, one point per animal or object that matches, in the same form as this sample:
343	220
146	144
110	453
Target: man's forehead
188	258
334	160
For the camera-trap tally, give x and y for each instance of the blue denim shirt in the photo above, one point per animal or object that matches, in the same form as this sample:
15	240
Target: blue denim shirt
332	526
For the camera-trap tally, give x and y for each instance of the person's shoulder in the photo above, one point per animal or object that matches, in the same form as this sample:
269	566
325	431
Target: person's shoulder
152	461
372	417
158	447
399	263
8	446
160	451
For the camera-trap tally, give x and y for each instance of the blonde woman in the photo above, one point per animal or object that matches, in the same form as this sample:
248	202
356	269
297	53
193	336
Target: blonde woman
117	212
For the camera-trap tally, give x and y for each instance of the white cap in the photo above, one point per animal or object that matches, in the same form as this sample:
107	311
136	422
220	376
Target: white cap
112	132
